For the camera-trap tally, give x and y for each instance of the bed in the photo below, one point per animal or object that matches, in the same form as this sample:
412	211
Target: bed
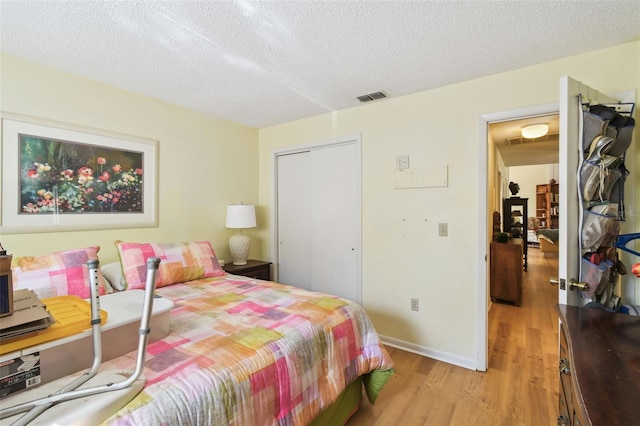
248	352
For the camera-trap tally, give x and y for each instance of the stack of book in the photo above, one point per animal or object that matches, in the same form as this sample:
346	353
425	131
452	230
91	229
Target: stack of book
29	316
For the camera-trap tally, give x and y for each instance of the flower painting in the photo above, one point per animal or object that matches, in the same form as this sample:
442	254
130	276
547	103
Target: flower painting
58	176
69	177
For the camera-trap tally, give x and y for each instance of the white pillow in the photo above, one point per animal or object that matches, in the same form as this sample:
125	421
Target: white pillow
113	273
108	288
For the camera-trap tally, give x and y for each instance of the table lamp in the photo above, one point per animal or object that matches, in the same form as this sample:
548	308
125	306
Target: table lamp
240	216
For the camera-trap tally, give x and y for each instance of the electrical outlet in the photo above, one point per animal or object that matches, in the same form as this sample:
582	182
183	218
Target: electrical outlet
415	305
402	162
443	230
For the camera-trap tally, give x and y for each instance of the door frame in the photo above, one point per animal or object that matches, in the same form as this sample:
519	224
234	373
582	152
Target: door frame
310	146
483	225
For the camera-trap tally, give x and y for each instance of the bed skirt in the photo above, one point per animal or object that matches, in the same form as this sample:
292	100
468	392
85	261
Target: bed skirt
345	406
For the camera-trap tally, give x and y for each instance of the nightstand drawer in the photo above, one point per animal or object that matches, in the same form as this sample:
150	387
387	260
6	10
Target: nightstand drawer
262	274
253	269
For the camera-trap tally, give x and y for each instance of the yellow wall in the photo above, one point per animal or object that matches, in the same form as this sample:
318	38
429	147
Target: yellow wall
204	163
438	126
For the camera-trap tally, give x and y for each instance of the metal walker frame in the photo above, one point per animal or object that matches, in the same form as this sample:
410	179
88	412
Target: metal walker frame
70	391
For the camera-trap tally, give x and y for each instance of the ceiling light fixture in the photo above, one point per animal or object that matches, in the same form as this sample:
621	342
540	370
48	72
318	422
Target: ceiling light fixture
533	131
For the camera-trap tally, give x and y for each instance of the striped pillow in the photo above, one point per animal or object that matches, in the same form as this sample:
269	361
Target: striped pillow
60	273
179	262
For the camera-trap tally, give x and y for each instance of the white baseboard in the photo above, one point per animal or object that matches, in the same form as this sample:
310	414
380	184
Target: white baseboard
429	353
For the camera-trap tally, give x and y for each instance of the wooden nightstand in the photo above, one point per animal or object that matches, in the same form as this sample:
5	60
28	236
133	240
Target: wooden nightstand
253	269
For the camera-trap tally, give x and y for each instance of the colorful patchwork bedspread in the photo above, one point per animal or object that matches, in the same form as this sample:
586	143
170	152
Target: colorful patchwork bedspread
250	352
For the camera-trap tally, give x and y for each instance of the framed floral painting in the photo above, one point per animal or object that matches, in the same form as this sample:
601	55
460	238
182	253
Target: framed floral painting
61	177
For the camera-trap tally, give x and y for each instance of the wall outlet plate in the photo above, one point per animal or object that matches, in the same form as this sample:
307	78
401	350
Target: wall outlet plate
402	162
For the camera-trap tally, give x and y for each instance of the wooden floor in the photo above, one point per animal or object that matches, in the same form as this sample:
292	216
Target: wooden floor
520	387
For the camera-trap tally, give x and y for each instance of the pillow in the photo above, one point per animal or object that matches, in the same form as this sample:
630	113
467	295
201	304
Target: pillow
108	288
57	274
112	273
179	262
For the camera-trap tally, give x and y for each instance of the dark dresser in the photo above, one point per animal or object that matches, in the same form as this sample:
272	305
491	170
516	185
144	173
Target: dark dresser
599	367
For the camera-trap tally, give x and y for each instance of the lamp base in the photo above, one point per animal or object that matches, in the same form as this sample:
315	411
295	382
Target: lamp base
239	247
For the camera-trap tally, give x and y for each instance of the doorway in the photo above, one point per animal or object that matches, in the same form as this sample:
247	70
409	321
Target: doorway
490	190
532	164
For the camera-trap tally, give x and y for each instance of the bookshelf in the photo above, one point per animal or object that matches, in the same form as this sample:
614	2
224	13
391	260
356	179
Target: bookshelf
547	199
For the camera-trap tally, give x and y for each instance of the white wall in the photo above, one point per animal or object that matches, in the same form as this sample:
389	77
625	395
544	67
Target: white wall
403	256
204	163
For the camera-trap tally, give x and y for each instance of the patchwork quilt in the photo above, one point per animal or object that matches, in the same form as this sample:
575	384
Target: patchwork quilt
250	352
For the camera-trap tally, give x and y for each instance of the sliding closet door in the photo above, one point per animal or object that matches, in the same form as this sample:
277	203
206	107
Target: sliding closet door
336	219
318	219
294	219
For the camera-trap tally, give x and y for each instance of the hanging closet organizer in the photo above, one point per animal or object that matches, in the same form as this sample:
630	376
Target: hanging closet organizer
606	135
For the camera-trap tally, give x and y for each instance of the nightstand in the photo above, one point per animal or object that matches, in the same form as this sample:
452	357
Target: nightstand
253	269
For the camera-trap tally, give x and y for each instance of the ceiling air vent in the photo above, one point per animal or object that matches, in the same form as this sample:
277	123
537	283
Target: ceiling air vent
372	97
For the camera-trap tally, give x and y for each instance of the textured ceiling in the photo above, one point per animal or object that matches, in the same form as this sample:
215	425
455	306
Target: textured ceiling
266	63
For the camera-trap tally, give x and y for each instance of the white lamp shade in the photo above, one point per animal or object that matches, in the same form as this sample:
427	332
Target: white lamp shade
241	216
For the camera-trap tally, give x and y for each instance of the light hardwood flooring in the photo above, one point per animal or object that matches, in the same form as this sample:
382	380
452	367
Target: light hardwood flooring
519	388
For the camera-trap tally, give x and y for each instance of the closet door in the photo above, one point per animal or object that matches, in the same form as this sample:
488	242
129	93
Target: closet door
335	218
318	219
294	221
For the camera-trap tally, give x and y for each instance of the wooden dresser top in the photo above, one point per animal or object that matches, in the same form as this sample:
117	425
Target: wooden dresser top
605	351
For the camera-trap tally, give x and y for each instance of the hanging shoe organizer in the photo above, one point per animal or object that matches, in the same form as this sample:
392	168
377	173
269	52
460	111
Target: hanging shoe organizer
606	136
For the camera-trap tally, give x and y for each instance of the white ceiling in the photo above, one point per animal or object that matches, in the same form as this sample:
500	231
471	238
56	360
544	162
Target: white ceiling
266	63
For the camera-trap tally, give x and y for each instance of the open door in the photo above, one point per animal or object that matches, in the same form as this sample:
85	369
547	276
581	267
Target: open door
570	147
